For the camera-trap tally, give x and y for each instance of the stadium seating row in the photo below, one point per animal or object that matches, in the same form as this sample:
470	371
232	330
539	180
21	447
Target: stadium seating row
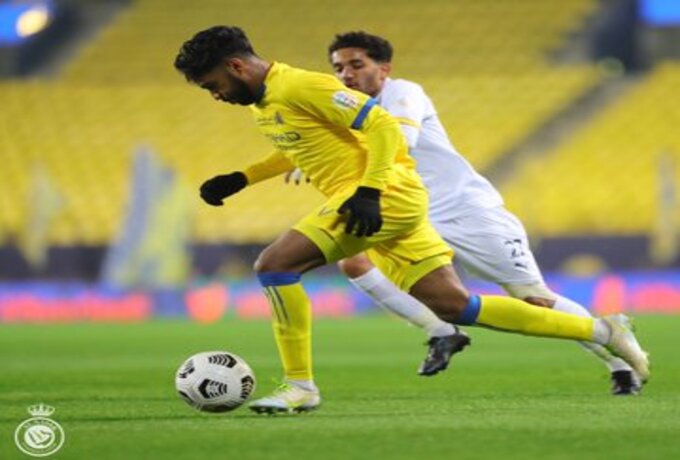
609	177
434	38
121	93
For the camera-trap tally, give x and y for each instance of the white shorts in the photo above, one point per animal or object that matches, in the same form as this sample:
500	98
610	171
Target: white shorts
492	244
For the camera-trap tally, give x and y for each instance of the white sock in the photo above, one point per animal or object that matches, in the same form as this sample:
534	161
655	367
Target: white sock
383	292
307	385
602	332
569	306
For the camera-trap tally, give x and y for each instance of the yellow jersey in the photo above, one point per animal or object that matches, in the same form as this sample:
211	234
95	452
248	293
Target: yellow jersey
338	137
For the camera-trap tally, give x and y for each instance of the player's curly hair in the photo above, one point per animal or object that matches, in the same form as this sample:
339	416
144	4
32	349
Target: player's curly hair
208	47
377	48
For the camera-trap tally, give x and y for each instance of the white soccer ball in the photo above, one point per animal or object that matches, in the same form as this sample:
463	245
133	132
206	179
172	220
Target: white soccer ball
215	381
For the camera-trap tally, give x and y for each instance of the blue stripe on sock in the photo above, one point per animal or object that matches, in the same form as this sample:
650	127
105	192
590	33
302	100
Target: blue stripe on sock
363	113
278	278
471	312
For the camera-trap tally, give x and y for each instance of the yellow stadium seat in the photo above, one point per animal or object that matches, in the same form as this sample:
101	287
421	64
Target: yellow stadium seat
483	62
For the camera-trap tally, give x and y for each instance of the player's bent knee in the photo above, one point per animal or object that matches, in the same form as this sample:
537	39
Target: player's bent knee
540	302
282	258
354	267
261	265
267	262
536	294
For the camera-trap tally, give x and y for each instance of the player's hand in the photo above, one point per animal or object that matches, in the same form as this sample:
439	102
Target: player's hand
364	212
296	175
214	190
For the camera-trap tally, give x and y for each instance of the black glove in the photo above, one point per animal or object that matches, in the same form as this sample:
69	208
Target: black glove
364	212
214	190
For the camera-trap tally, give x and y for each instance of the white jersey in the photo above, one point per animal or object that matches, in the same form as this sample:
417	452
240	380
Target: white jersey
454	187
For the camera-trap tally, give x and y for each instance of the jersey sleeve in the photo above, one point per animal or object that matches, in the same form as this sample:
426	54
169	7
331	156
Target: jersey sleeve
324	97
384	140
408	104
272	165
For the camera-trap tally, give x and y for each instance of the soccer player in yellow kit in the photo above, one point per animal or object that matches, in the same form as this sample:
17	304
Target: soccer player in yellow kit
355	154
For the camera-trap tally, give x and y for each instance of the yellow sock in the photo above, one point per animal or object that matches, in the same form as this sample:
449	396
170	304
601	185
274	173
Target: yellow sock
292	324
515	315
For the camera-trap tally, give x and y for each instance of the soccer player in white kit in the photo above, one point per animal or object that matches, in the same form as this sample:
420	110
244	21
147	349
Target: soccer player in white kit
467	211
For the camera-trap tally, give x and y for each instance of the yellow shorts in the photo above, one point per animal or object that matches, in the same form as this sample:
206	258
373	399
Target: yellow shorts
405	249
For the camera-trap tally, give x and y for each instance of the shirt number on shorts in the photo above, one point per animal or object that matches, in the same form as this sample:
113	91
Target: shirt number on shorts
515	251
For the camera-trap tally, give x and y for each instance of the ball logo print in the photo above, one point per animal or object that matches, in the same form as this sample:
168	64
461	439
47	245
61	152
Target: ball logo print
39	436
215	381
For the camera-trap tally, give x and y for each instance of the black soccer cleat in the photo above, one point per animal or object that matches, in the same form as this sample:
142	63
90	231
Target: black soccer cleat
625	383
440	351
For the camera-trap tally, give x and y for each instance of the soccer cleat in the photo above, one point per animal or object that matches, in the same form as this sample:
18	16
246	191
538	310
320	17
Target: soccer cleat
625	383
440	351
623	344
287	398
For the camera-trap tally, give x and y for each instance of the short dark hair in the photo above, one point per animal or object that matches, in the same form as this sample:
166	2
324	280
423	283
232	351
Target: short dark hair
208	47
377	48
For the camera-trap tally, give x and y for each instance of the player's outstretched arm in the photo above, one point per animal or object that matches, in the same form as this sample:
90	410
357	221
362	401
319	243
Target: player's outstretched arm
384	140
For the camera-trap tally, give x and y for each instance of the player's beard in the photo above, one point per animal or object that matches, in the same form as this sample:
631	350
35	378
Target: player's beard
241	94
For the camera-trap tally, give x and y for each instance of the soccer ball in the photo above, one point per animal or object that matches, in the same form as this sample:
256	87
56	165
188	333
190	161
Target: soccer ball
215	381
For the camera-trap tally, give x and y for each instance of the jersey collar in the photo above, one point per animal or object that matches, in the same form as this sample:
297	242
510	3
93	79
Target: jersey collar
271	73
378	97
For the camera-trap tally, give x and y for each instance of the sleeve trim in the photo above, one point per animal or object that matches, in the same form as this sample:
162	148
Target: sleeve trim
363	113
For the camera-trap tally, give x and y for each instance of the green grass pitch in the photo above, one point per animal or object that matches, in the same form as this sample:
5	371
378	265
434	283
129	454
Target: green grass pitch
506	397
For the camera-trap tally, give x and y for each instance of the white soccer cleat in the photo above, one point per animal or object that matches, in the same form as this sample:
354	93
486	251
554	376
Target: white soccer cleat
623	344
287	398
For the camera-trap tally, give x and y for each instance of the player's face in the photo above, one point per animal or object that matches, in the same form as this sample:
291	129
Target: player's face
358	71
226	87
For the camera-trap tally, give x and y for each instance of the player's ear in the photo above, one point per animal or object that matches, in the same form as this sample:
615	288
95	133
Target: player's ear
235	66
385	68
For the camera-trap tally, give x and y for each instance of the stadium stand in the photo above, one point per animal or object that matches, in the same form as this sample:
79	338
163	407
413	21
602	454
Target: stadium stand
606	179
121	92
